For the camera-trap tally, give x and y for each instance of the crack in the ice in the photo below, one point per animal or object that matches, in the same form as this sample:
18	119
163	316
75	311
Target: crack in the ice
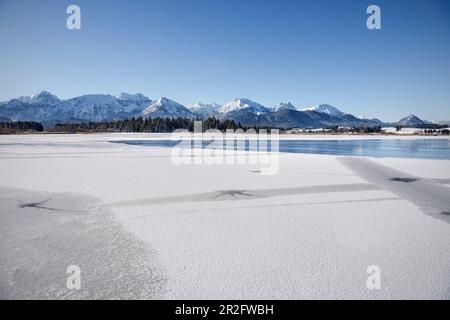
37	205
404	180
234	193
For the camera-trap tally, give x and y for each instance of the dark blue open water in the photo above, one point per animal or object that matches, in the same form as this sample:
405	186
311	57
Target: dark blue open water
394	148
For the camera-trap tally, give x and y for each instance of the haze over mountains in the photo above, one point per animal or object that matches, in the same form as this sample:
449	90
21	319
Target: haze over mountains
47	108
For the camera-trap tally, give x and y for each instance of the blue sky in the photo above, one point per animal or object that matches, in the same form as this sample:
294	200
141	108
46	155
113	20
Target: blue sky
306	52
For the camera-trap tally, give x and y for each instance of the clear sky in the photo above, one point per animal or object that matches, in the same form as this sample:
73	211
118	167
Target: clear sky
306	52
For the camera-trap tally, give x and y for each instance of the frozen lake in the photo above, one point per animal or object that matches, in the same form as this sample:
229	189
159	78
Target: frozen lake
380	148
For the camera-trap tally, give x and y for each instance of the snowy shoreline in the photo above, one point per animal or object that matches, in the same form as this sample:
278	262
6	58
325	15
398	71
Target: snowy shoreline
140	135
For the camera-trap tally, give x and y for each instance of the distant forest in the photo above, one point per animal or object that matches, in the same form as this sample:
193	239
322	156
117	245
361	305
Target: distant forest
165	125
20	126
162	125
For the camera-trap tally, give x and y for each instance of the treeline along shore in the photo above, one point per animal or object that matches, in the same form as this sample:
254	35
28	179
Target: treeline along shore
167	125
156	125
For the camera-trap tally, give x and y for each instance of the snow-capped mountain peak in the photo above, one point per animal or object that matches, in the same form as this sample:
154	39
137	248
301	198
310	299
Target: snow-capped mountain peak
43	97
200	105
205	109
327	109
166	108
133	102
165	102
283	105
138	97
243	104
412	117
95	99
411	120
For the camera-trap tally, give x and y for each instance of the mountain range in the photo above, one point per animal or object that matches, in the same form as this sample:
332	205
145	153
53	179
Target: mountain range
47	108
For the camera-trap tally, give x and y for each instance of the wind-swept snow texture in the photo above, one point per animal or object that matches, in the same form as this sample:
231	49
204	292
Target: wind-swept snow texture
431	196
44	233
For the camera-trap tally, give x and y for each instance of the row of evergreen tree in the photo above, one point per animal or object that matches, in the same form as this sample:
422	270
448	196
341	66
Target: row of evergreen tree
146	125
20	126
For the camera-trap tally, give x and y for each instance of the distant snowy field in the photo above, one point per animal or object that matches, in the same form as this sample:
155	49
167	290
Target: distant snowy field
139	226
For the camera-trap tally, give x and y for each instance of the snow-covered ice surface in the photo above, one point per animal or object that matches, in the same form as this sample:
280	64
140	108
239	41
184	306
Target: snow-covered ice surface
141	227
429	195
43	233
